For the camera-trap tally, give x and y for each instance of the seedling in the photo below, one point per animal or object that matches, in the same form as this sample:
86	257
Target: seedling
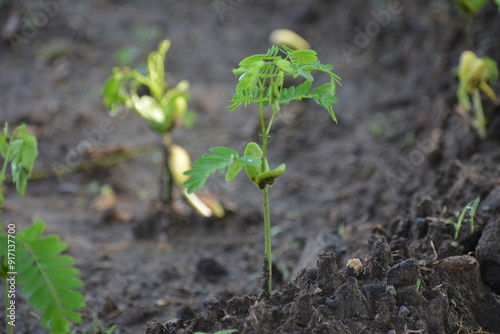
27	259
418	284
225	331
261	78
164	109
476	74
471	207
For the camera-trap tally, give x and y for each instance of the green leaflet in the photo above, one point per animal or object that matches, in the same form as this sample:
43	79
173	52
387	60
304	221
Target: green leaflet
48	278
220	159
234	170
303	56
250	161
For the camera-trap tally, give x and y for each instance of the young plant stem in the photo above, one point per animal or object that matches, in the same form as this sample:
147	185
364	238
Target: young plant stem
267	241
480	121
265	195
166	175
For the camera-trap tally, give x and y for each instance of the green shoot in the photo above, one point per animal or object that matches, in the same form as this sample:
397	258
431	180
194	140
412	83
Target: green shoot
225	331
164	109
261	79
20	150
476	74
30	260
471	208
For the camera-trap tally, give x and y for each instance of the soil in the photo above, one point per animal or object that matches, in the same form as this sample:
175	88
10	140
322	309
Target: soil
360	234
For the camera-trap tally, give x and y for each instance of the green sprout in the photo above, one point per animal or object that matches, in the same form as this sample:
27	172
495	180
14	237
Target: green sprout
475	75
27	258
164	108
261	79
418	284
471	208
225	331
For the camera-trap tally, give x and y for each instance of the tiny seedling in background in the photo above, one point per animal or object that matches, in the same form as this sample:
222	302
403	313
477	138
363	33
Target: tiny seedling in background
475	75
224	331
261	80
30	260
418	284
471	208
164	109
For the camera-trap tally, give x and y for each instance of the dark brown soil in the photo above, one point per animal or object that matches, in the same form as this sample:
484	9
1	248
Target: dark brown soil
377	187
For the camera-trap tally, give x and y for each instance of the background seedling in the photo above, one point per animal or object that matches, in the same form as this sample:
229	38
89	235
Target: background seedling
30	260
476	74
470	207
225	331
261	78
164	109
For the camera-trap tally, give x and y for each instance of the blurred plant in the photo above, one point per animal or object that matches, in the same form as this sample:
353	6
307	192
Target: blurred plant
418	285
261	80
470	207
476	74
164	109
30	260
225	331
97	329
471	7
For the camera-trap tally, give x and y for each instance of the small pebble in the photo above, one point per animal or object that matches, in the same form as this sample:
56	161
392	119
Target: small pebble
330	302
390	289
403	312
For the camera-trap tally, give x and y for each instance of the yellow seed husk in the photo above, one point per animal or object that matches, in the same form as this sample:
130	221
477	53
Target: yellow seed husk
288	38
214	205
196	203
178	162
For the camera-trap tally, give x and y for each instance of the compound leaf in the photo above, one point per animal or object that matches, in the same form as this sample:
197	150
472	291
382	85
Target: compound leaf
48	278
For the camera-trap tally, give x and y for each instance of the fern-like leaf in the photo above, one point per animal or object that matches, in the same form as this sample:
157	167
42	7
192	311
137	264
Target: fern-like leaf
220	160
303	56
48	278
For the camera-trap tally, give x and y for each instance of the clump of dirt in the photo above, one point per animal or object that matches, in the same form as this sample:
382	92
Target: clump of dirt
371	196
390	294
